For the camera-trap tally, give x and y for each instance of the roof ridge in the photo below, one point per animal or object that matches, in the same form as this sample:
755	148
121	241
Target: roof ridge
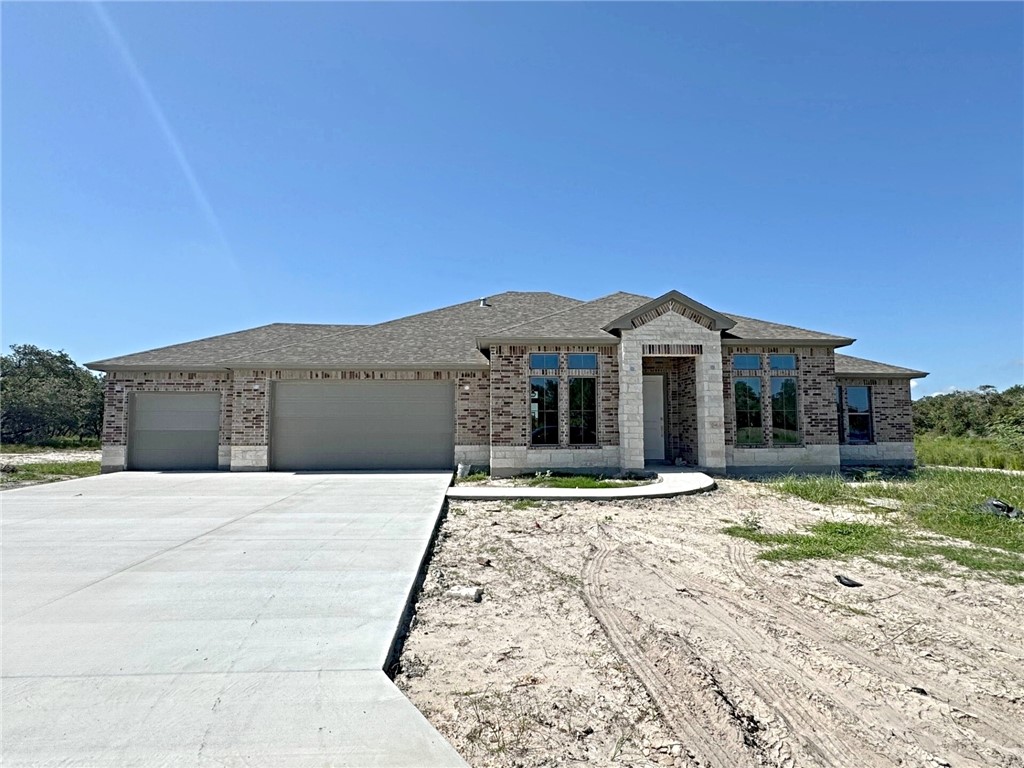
563	311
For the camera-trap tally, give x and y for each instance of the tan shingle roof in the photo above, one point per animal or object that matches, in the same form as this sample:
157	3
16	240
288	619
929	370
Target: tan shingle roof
442	337
748	328
583	321
212	351
846	365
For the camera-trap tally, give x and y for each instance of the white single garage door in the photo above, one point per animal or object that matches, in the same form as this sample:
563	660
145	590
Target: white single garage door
327	425
173	430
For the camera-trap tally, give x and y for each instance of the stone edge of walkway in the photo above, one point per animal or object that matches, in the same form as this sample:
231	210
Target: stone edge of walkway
668	484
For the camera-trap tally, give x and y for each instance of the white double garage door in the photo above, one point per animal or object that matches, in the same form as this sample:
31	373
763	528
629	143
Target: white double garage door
314	425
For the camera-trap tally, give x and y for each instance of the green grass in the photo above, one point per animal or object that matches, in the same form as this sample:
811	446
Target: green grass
476	477
526	504
574	481
967	452
50	472
933	501
56	443
824	540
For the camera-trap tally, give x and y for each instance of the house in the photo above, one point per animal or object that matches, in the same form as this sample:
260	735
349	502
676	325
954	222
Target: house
517	382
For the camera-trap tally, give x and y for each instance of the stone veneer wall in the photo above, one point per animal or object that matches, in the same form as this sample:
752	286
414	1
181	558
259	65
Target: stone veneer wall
245	408
680	404
511	451
118	387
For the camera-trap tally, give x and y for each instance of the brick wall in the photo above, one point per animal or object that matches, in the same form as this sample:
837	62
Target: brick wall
246	395
816	382
817	389
510	393
891	408
680	405
120	384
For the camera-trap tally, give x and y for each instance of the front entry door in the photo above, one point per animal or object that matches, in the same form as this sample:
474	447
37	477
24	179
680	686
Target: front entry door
654	418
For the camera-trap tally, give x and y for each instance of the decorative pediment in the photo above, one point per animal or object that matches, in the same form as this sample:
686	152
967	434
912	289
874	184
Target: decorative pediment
673	301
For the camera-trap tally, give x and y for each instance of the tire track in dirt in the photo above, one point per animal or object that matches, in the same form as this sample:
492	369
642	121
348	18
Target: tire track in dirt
991	725
805	712
704	745
799	719
849	730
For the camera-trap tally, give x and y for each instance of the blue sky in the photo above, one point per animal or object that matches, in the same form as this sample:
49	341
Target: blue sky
173	171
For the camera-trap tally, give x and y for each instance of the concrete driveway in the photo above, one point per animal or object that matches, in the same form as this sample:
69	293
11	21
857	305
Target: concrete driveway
213	619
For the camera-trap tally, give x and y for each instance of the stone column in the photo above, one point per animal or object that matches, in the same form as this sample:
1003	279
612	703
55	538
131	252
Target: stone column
710	408
631	402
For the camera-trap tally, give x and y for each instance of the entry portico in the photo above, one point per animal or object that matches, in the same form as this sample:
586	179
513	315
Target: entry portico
673	326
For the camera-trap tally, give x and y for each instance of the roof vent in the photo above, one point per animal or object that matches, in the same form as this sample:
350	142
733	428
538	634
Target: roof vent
484	302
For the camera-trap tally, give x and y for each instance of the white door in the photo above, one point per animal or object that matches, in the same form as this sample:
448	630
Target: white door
654	418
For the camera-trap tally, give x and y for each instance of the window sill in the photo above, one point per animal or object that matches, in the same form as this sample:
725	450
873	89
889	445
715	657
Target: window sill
563	447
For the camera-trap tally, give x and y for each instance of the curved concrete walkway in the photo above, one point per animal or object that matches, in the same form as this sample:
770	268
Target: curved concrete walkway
671	482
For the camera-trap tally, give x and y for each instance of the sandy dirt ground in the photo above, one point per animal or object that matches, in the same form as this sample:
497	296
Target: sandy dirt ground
46	457
636	633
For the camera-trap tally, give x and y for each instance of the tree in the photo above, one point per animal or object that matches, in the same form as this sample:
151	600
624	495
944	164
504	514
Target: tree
985	412
45	394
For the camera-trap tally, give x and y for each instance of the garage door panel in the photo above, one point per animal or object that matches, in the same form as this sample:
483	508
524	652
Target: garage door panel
174	431
178	420
362	425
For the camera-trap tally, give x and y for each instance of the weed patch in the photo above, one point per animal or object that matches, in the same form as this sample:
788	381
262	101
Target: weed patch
51	472
825	540
526	504
967	452
933	501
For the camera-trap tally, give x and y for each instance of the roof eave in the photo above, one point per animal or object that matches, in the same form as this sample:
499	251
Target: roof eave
837	342
881	374
105	367
485	342
364	366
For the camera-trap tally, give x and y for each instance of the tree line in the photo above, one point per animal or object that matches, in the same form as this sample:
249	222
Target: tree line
45	395
982	412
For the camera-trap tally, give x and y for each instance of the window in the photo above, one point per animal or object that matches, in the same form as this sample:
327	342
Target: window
782	362
748	412
542	362
582	411
858	415
784	426
544	410
746	362
582	362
